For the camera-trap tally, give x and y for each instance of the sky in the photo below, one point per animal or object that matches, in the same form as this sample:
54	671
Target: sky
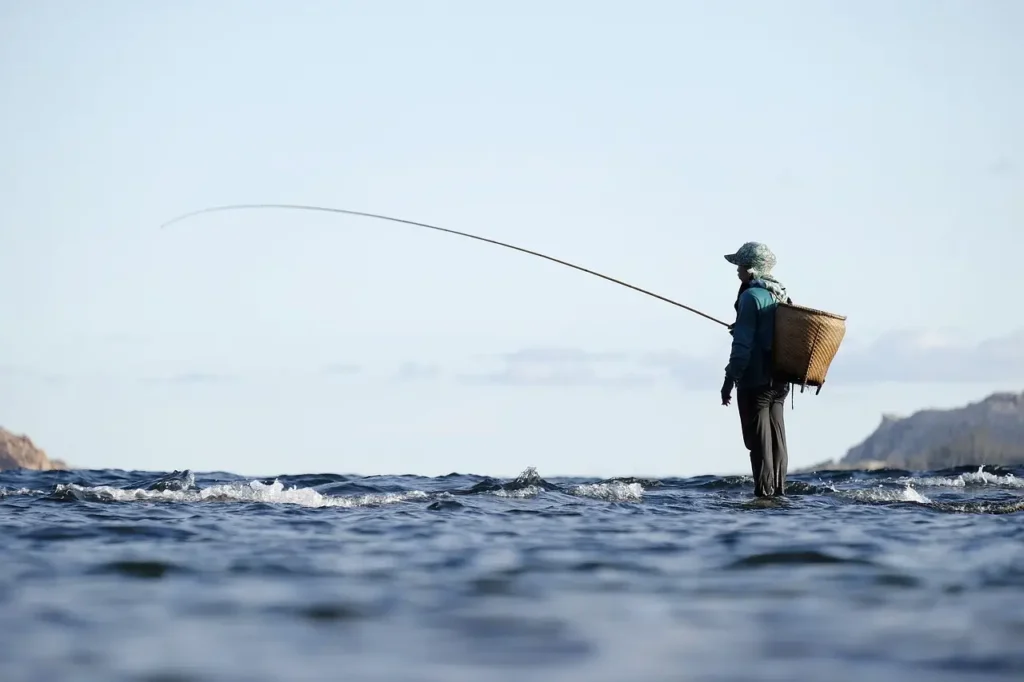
876	147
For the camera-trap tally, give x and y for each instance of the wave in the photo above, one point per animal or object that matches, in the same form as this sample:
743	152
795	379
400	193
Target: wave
180	487
880	494
4	492
612	491
977	489
974	478
252	491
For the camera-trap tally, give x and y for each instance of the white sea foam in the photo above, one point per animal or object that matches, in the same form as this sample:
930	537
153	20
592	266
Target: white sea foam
4	492
610	492
615	491
253	491
880	494
976	478
520	493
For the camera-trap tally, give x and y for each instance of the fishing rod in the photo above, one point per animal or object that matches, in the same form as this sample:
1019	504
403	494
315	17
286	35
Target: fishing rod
301	207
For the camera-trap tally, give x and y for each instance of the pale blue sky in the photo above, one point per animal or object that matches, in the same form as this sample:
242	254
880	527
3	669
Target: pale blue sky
875	146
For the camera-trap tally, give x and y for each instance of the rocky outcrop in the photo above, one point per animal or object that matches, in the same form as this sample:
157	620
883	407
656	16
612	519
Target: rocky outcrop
19	452
990	431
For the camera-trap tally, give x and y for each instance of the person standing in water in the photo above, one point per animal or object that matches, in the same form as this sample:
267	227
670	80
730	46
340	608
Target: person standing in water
760	398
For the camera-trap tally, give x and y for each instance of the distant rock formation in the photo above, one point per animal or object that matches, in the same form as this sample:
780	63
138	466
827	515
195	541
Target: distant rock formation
990	431
19	452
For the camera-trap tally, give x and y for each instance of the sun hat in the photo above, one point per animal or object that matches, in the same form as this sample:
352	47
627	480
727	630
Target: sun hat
753	255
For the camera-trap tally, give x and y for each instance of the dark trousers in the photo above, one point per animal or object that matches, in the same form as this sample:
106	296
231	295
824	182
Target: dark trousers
764	434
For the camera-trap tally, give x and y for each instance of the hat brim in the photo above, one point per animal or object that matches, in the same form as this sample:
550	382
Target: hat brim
732	258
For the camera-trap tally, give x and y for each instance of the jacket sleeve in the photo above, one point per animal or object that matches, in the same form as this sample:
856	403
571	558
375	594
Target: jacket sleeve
742	337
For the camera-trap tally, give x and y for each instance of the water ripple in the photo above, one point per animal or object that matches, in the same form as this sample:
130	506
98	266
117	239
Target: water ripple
126	575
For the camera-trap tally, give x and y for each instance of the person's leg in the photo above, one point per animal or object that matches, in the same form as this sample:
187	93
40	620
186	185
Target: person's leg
780	450
748	415
755	408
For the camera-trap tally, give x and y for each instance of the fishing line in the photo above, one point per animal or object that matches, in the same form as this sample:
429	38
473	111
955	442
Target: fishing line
300	207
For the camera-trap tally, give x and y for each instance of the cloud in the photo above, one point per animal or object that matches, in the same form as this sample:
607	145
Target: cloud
563	366
901	356
14	372
417	371
557	376
340	369
1002	167
561	355
919	356
191	378
124	339
684	369
911	356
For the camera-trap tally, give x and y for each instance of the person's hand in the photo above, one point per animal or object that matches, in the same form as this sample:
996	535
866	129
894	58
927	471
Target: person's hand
727	392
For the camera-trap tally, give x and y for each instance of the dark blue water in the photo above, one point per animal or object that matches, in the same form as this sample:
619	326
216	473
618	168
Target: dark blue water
111	575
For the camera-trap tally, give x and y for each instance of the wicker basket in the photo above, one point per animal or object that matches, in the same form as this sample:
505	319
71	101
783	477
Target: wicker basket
806	342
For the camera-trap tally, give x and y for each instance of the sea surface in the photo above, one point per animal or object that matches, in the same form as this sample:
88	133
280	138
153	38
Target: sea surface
883	575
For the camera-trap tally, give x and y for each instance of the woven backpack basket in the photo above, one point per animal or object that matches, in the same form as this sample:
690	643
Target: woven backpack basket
806	342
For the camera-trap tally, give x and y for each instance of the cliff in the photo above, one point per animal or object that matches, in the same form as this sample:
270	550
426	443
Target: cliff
19	452
990	431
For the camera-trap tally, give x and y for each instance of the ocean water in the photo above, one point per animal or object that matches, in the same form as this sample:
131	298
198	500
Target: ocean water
885	575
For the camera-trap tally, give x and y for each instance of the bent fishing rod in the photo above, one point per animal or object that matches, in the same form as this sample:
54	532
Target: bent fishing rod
300	207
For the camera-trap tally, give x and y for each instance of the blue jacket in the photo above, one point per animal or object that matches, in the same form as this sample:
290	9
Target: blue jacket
752	336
